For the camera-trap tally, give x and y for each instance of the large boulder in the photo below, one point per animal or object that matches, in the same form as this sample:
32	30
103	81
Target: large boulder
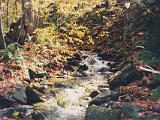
102	113
21	95
127	75
16	97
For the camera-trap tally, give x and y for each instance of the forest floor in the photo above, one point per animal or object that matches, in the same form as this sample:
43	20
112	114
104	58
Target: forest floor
102	66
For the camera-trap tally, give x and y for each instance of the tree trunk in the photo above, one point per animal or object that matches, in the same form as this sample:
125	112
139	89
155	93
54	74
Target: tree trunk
2	45
7	13
27	14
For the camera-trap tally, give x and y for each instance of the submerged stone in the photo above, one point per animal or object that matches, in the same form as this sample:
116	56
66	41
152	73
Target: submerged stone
94	94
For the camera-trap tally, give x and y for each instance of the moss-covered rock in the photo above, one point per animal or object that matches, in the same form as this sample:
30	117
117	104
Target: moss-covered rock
127	75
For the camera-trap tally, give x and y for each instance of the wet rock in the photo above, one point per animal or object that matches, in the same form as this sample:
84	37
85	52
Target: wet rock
94	94
101	113
69	67
106	56
104	88
83	67
24	110
127	75
105	98
33	96
60	85
80	73
38	116
92	61
103	70
114	66
74	61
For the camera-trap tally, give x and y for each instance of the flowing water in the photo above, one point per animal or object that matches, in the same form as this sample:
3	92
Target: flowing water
76	98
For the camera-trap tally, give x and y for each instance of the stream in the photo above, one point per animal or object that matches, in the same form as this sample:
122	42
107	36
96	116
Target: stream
71	102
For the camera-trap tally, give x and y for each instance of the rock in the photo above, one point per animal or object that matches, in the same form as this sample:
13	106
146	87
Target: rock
105	98
104	88
101	113
75	60
83	67
38	116
92	61
129	110
127	75
94	94
22	95
106	56
60	85
103	70
69	67
80	73
33	96
39	88
18	97
33	74
17	112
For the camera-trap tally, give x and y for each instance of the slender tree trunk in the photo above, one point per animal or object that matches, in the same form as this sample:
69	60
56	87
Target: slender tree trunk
27	12
23	12
7	13
2	41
